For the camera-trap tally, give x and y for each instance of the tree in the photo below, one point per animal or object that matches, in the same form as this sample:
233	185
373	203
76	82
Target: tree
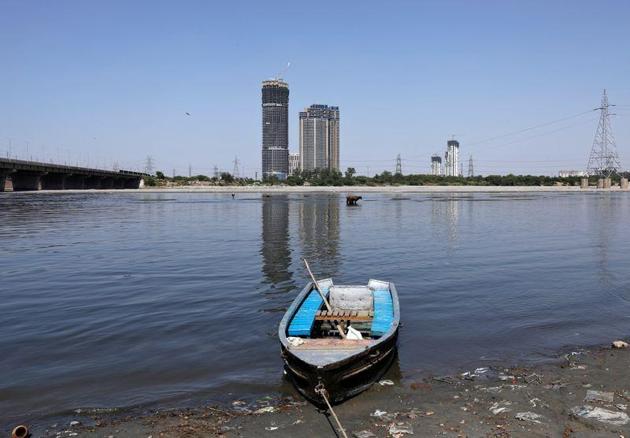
227	177
159	175
350	171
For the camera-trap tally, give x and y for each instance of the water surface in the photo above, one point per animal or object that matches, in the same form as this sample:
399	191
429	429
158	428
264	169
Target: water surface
118	300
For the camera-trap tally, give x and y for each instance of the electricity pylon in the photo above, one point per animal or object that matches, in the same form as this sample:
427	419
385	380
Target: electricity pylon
604	160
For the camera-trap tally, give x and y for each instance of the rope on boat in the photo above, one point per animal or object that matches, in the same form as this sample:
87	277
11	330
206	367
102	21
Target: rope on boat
321	390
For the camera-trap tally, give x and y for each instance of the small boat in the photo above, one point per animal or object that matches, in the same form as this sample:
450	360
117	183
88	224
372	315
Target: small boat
318	353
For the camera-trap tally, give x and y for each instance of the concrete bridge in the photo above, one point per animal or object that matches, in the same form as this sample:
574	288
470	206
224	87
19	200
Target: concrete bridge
30	175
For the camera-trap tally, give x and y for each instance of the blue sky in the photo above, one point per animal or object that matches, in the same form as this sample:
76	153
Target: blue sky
104	82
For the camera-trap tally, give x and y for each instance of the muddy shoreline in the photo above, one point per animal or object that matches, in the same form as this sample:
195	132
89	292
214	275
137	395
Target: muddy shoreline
582	393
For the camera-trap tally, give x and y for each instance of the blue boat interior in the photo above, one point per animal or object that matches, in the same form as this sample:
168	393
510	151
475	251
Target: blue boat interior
304	323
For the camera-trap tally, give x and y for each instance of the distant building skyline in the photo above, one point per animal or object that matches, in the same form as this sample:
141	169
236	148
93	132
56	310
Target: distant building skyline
451	159
319	137
436	165
275	129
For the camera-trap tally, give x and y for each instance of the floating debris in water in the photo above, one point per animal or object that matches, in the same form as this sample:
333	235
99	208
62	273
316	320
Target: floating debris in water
386	383
265	410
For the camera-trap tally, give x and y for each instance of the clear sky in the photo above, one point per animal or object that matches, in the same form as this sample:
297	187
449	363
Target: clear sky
98	82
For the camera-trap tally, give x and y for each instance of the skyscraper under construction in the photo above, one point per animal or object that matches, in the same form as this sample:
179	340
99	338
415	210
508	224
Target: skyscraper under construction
451	167
275	129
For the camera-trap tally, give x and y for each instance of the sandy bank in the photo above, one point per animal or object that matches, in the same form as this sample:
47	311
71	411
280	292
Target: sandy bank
345	189
584	393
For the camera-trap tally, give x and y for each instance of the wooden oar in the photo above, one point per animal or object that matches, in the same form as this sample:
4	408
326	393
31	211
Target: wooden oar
343	335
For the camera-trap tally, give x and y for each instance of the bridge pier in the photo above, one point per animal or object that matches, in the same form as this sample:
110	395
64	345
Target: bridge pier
93	182
75	182
54	181
107	183
26	180
6	184
133	183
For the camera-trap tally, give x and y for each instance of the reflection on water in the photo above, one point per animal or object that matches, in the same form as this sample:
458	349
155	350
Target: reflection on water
124	299
319	234
444	217
274	248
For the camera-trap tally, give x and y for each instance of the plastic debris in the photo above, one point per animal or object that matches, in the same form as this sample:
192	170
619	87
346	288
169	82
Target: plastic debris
271	428
386	383
20	431
74	423
529	416
378	413
599	396
398	429
472	374
383	415
363	434
500	407
353	334
265	410
295	341
621	407
600	414
620	344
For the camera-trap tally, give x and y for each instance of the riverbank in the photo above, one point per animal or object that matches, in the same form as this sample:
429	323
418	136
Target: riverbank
583	393
344	189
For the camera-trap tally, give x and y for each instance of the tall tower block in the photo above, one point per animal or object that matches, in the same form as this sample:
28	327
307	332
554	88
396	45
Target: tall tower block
275	129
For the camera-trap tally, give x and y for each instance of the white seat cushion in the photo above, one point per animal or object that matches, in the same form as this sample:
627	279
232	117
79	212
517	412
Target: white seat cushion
351	298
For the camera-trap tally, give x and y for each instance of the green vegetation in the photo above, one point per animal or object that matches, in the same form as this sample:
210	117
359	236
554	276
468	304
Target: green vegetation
327	177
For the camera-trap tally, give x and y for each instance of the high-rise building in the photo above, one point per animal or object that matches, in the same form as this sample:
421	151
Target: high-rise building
319	138
294	163
275	129
451	158
436	165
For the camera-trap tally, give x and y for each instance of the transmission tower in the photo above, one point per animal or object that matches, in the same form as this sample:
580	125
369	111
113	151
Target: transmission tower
604	160
148	166
189	171
398	165
235	171
471	171
216	171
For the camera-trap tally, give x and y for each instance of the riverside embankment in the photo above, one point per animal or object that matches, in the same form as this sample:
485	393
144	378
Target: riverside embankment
583	393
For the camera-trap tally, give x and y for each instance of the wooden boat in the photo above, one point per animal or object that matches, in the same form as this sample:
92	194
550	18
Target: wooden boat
317	357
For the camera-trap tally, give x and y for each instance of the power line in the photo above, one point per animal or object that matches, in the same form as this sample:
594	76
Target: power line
530	128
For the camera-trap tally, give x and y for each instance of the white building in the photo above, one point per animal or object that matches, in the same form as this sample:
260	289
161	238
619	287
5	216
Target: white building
294	163
569	173
436	165
451	159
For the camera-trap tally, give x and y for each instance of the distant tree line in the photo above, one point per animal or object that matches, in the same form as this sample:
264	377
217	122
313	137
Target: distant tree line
225	178
326	177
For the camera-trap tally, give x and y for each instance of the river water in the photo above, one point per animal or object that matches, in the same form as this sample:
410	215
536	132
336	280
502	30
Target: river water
138	299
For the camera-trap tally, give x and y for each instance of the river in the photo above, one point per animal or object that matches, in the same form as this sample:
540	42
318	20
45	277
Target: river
117	300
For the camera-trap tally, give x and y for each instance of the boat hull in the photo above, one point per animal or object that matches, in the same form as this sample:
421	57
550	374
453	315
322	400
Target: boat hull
345	379
343	375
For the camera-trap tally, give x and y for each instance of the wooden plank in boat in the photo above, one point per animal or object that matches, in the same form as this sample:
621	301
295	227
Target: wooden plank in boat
336	315
332	344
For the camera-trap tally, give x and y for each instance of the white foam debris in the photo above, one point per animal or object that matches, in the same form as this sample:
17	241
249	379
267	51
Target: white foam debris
615	418
500	407
529	416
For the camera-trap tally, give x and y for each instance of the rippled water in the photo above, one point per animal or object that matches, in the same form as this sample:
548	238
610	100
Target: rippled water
116	300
